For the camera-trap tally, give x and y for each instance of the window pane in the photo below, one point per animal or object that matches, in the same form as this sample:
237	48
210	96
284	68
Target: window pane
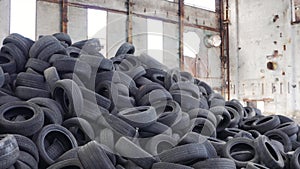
23	17
97	21
155	39
204	4
191	44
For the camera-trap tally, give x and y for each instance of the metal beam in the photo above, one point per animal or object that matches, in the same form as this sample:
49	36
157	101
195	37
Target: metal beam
129	21
225	62
181	30
64	16
227	49
222	48
80	5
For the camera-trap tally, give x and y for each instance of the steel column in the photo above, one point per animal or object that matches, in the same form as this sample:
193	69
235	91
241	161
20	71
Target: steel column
181	30
64	16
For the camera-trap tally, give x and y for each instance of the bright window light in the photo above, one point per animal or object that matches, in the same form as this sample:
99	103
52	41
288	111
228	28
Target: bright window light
155	39
97	22
23	18
191	44
204	4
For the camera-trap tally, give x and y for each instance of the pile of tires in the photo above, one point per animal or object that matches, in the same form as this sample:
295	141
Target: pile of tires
64	105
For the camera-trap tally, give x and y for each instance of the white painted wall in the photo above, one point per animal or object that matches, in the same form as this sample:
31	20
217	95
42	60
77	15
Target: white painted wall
253	38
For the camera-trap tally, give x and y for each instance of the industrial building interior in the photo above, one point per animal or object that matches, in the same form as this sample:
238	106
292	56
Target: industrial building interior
255	36
246	50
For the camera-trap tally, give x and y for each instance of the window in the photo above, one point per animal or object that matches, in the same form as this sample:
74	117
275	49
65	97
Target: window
204	4
97	22
296	11
23	18
155	39
191	44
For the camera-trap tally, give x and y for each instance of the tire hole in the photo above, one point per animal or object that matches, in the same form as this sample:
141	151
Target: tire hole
272	151
264	120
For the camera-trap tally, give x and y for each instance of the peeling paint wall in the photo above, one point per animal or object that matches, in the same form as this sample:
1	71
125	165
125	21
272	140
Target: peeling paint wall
262	38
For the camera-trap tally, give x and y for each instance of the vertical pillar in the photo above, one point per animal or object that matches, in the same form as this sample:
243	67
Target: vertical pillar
181	30
129	21
64	16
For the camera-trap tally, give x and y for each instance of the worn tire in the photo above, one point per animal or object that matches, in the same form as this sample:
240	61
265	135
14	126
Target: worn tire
34	114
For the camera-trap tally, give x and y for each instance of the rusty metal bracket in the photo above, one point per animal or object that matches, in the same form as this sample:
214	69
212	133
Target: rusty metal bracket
64	16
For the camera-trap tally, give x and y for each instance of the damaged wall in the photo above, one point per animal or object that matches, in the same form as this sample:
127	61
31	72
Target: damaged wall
264	47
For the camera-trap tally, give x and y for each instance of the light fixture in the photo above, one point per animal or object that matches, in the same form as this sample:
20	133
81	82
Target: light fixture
212	41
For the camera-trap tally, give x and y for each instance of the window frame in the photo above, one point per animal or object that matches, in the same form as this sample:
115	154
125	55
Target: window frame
294	17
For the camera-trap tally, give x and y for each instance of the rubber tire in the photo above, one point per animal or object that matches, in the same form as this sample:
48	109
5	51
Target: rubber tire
84	126
27	145
268	153
152	145
167	112
290	128
266	123
165	165
51	76
282	137
215	163
125	48
93	156
193	137
251	165
185	154
8	63
139	116
37	65
9	151
73	93
27	127
73	163
26	93
136	154
39	139
223	117
232	143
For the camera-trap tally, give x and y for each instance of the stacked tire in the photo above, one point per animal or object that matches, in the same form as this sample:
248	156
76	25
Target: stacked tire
64	105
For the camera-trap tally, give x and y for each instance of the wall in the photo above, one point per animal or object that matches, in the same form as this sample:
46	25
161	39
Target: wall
4	18
255	34
198	21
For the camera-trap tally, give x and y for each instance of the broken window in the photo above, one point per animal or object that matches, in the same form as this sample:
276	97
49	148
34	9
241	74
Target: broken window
20	9
204	4
296	11
97	22
155	39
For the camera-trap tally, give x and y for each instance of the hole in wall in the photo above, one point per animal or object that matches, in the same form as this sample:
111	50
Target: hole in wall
275	42
272	65
284	47
275	53
275	18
